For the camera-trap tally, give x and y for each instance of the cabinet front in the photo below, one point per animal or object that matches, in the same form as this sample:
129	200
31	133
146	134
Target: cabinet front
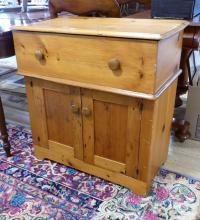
55	117
101	129
111	126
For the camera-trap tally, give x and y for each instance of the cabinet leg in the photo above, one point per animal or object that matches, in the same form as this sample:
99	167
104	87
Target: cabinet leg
3	130
183	78
39	156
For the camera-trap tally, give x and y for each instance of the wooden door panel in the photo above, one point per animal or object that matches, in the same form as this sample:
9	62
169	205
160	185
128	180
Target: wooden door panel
64	128
111	131
59	125
61	128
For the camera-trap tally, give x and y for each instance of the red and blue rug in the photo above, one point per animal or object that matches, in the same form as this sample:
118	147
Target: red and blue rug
45	190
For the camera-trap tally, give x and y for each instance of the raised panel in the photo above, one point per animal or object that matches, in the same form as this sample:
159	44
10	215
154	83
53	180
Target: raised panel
64	125
53	121
111	132
59	125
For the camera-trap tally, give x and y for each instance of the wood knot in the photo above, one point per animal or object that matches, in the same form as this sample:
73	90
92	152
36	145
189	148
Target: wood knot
58	58
141	74
163	128
142	61
22	46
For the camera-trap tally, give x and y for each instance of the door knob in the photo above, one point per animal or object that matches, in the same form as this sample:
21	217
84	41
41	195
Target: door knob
75	109
86	111
39	54
114	64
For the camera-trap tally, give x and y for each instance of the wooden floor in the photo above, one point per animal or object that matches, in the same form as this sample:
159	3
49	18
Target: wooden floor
184	158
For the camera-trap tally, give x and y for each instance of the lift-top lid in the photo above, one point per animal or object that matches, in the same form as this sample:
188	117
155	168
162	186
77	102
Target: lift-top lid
151	29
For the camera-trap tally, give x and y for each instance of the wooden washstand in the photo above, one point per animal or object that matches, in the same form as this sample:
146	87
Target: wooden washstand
101	93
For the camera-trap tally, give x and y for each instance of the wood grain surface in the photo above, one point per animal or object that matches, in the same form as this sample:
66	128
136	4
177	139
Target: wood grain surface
150	29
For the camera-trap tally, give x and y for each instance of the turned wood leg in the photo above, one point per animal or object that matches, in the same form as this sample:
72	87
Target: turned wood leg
183	78
52	11
3	130
181	127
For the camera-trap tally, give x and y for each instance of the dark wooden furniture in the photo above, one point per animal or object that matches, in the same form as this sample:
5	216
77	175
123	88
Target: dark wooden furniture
6	43
7	49
146	3
86	7
3	131
7	20
191	42
107	8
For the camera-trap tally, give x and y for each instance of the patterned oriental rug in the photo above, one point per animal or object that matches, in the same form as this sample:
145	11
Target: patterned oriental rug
35	189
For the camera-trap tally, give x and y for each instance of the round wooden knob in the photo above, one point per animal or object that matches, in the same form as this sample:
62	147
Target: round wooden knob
75	109
39	54
114	64
86	111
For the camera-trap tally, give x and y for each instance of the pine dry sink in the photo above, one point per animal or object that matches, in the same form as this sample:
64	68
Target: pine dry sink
101	93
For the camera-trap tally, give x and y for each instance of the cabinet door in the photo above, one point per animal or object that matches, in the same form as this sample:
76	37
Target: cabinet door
55	117
111	127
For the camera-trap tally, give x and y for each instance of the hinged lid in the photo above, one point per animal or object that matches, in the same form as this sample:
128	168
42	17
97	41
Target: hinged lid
151	29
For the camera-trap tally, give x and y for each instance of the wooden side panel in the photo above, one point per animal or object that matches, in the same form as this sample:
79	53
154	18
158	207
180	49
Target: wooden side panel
168	59
155	133
111	132
85	59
